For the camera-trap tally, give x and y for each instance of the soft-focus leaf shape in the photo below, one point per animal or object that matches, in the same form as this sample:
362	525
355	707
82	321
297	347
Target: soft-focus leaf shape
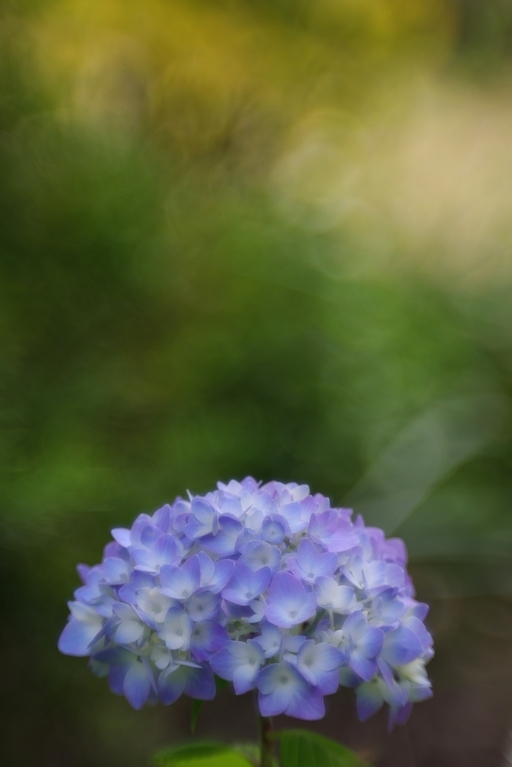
196	708
300	748
205	754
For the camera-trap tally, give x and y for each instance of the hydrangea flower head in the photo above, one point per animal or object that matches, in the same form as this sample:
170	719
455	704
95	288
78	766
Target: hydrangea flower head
264	585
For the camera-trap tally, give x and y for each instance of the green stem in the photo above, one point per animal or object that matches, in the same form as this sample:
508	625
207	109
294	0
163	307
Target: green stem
266	742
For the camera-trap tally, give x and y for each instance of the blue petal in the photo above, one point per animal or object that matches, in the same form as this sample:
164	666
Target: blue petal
168	551
355	626
368	701
370	643
129	631
77	637
328	681
200	683
224	663
225	541
244	678
179	582
272	531
137	684
122	536
398	715
286	592
260	554
234	655
138	580
284	690
116	677
308	705
207	637
144	560
171	684
202	510
274	703
317	663
162	517
286	617
401	646
365	667
207	567
223	572
115	570
149	536
246	584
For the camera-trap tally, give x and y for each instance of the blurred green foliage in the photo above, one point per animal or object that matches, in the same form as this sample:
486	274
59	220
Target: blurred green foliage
181	302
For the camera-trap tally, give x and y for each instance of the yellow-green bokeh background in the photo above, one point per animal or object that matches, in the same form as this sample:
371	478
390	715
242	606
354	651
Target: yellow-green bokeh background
267	237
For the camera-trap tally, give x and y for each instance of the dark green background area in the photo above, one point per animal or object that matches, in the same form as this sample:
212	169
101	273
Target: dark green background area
163	326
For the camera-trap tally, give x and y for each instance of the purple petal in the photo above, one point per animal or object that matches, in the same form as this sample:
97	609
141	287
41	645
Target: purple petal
313	563
202	510
276	684
77	637
162	517
319	657
272	531
83	572
177	582
116	675
207	637
416	625
270	640
235	655
399	715
368	700
333	530
309	705
286	591
259	554
122	536
200	683
246	584
233	507
370	643
364	667
137	684
115	570
171	684
224	542
144	560
401	646
168	551
274	703
223	572
286	618
284	690
355	626
386	672
149	536
244	678
138	580
202	606
206	567
128	632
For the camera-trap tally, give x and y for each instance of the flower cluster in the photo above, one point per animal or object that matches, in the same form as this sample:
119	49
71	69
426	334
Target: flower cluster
266	586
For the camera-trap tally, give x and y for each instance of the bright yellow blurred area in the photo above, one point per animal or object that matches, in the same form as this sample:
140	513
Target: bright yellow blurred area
345	108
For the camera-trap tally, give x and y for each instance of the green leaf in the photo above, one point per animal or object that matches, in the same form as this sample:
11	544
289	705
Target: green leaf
205	754
220	683
196	708
301	748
